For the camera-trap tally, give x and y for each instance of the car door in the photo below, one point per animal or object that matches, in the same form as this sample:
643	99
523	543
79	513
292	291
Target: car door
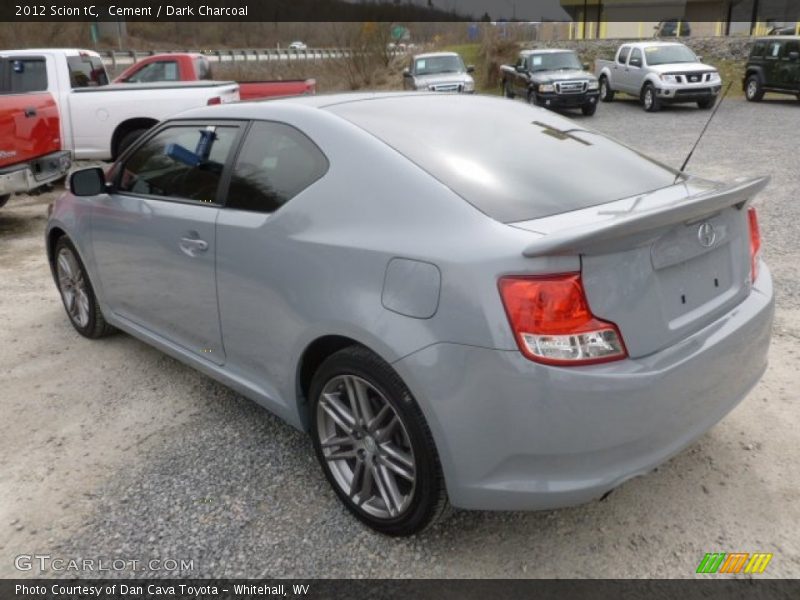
260	274
790	65
154	239
632	73
772	74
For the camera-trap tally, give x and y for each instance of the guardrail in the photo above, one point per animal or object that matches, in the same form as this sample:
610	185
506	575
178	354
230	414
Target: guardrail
116	58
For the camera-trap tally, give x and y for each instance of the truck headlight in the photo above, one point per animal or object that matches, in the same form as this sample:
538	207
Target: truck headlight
547	87
593	85
469	85
669	78
715	78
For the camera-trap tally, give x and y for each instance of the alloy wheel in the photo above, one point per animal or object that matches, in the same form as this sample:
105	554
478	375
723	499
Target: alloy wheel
366	446
72	285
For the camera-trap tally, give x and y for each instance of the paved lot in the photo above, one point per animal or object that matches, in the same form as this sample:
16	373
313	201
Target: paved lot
111	449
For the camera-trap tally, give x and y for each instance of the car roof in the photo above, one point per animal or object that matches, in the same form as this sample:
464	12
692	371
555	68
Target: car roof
65	51
434	54
651	44
770	38
545	51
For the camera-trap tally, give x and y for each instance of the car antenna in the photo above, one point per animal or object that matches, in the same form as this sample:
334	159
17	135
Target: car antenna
699	137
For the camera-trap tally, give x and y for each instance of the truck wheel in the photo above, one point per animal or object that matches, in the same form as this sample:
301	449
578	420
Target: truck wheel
532	99
507	90
753	90
3	199
705	104
606	93
650	99
589	109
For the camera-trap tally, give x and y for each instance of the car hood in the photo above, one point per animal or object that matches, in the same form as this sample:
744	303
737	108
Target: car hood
436	78
682	68
570	75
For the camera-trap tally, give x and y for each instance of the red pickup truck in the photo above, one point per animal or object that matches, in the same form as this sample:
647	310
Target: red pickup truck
196	67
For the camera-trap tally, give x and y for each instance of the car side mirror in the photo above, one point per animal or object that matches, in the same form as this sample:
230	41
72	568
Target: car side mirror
585	66
635	62
794	55
470	68
88	182
519	68
699	59
406	73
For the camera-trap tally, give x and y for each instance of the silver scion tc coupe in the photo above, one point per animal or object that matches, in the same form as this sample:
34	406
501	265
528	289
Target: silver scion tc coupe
461	299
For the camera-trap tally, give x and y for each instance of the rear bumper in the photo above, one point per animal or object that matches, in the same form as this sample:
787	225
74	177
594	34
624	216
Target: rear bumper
28	176
516	435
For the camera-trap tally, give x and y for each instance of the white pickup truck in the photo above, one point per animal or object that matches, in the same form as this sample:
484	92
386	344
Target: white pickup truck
658	73
57	105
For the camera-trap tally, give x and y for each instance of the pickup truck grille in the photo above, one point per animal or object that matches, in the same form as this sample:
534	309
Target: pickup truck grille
693	77
570	87
446	87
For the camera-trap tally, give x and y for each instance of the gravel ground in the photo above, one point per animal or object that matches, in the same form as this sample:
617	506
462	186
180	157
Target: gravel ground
111	449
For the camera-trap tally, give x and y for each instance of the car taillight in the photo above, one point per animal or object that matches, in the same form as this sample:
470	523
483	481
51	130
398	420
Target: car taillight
214	100
755	241
552	322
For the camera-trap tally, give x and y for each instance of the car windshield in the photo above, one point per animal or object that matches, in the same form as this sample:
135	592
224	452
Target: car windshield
662	55
554	61
431	65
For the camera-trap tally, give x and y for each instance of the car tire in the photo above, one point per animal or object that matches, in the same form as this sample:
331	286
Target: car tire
650	99
606	93
4	199
380	459
77	292
507	90
532	98
706	103
128	140
589	109
753	90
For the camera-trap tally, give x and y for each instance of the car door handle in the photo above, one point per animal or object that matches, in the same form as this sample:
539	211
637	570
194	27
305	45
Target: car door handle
191	246
30	112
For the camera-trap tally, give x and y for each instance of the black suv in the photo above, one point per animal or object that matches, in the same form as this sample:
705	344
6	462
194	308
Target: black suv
773	66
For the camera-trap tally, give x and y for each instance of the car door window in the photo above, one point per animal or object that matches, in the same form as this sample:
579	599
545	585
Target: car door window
623	55
791	46
774	50
156	71
758	49
182	162
275	164
636	58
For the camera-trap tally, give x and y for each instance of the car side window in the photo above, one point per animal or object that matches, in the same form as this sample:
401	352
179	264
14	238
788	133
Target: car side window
758	49
774	50
791	46
623	55
182	162
636	57
163	70
275	164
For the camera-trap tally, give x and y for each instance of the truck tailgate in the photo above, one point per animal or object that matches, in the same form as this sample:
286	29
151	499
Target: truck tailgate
29	127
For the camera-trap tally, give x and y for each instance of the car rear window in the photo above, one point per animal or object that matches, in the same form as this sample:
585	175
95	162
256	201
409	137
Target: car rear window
510	161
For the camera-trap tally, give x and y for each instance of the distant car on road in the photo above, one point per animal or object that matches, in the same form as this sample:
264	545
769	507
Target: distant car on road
458	297
773	66
298	46
658	73
551	78
439	72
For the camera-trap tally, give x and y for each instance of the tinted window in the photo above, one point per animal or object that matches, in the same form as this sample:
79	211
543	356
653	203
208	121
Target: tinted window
175	164
623	54
774	50
156	71
25	75
86	71
636	55
758	49
509	161
202	68
275	164
791	46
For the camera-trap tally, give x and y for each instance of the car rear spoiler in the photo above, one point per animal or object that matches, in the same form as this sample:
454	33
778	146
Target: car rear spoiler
585	238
